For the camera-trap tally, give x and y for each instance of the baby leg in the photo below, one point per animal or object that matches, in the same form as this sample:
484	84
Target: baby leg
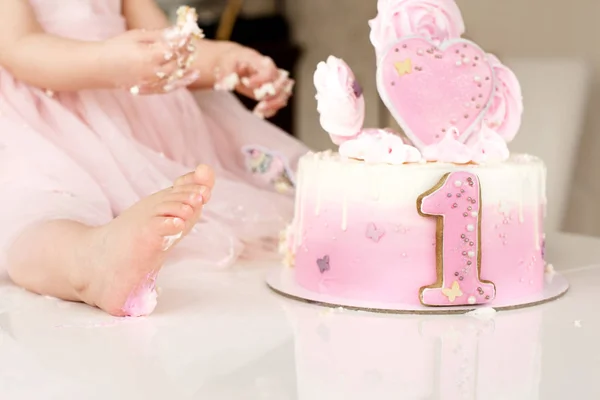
113	266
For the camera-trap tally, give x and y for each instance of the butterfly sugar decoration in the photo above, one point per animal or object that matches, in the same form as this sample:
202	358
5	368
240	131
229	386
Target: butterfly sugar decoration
270	167
323	264
374	233
452	292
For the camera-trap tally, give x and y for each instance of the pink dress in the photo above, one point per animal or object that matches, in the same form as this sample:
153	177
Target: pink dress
89	155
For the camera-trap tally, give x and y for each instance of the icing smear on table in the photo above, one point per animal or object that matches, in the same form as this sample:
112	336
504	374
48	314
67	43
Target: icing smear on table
484	313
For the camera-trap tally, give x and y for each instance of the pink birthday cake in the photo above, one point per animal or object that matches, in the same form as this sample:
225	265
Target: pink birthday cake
440	213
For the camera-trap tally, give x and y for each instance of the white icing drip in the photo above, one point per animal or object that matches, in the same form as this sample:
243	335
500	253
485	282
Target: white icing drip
324	177
543	196
319	191
169	241
521	200
543	183
376	187
344	213
521	218
539	222
536	228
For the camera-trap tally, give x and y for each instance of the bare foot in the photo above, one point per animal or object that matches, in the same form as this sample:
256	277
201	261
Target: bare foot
130	250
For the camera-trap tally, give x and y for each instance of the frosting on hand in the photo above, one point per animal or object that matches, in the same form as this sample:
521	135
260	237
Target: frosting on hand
436	20
340	101
506	109
487	146
187	22
449	150
379	146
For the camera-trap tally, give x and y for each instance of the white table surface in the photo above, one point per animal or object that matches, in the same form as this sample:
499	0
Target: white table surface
225	335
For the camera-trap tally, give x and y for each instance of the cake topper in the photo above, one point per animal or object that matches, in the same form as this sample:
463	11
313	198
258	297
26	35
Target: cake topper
432	81
454	102
430	89
340	100
341	105
435	20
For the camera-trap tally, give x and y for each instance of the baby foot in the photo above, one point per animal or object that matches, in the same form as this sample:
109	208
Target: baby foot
131	249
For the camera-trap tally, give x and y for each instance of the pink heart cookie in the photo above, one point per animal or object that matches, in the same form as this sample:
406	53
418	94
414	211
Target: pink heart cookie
430	89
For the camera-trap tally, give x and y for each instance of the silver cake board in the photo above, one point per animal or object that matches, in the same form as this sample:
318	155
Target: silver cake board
281	280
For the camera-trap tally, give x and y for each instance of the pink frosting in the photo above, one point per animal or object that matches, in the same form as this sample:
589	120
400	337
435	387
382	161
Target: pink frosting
449	150
504	114
436	20
379	146
340	101
393	269
142	301
487	146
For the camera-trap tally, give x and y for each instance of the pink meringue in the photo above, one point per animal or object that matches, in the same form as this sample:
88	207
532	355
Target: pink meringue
379	146
436	20
505	112
449	150
487	146
340	101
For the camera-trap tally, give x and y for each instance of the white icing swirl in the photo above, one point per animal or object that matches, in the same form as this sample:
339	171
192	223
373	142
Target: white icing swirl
449	150
340	101
487	146
379	146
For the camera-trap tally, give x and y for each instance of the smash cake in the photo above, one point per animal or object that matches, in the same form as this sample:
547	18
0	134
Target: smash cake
439	214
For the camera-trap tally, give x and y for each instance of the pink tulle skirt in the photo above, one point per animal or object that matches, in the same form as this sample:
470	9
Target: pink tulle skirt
88	156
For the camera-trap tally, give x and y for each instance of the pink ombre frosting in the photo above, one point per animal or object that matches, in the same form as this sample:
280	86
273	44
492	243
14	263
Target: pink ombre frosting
437	20
340	101
362	219
379	146
504	114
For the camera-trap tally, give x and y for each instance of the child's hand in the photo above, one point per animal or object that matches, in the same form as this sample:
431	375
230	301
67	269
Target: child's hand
138	58
253	75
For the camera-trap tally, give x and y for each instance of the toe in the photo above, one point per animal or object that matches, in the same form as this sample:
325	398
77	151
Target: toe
175	209
168	226
203	175
194	190
194	198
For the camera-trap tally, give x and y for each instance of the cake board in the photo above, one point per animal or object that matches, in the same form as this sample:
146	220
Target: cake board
281	281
